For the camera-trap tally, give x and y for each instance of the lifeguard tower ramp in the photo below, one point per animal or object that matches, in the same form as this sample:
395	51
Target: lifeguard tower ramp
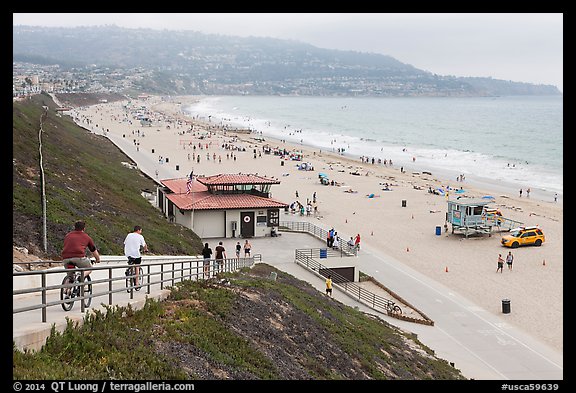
473	216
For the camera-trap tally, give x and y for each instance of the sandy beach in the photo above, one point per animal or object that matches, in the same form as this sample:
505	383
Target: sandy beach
405	233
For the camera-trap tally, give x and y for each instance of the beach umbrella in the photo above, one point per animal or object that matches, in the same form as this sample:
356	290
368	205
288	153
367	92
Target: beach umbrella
488	197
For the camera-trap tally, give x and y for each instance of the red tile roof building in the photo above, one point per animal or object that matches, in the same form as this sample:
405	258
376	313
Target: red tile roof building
224	205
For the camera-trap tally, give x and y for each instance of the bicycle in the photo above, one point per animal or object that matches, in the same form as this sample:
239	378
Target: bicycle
392	308
131	275
70	292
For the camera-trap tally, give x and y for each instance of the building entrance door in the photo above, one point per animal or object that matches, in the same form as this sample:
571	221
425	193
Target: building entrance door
247	224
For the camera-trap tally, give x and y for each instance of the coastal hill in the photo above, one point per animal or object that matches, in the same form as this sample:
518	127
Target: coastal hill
242	326
192	63
84	179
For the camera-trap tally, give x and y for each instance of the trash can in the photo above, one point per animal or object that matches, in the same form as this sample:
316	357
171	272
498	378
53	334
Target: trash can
506	306
323	253
177	167
403	202
438	231
152	150
167	160
282	163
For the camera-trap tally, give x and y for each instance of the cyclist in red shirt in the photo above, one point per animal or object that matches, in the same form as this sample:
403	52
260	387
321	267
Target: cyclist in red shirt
75	244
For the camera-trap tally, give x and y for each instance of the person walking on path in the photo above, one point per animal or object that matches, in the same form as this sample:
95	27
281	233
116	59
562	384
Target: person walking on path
220	255
133	242
207	254
329	286
500	263
509	260
247	248
75	244
357	242
238	248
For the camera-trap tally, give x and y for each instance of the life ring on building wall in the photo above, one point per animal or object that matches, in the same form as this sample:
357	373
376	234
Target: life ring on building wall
246	219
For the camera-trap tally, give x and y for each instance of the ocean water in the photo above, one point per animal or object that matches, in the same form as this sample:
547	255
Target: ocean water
504	142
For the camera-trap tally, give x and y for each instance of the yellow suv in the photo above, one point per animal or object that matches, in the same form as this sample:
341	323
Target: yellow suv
523	236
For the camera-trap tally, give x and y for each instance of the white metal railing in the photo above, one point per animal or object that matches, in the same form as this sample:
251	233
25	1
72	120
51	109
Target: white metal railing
110	279
314	230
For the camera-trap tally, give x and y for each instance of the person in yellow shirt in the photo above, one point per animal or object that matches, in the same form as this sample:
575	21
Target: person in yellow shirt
329	286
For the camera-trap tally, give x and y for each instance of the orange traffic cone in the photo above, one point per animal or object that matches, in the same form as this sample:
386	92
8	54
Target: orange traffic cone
446	270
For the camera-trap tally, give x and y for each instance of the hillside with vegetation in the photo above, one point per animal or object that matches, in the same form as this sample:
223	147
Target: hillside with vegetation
243	326
84	180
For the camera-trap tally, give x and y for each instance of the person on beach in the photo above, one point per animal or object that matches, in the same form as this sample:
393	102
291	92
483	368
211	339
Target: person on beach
329	285
520	193
220	255
247	249
207	254
500	263
509	260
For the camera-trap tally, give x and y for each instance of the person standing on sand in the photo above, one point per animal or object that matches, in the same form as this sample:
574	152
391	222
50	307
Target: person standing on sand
357	242
509	260
500	263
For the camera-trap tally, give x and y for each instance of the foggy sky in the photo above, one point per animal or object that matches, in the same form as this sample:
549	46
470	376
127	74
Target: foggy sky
518	47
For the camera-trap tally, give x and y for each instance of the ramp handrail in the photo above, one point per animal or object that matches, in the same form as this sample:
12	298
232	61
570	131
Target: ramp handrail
304	258
314	230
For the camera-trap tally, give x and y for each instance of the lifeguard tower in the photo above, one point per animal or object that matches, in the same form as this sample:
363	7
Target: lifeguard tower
471	216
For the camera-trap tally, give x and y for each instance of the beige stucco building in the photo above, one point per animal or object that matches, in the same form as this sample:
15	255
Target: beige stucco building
223	205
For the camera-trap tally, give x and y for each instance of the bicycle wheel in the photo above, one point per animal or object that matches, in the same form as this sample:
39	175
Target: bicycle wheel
67	293
87	291
130	279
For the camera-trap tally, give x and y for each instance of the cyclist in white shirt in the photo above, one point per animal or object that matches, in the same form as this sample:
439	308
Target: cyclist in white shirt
132	244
